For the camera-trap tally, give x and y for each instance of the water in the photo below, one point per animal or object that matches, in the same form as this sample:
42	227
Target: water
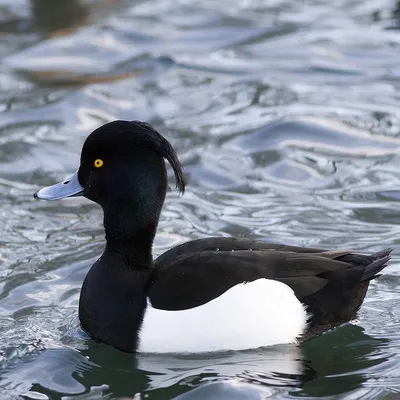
286	116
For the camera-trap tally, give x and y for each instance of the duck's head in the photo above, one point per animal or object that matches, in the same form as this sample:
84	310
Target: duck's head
122	166
115	159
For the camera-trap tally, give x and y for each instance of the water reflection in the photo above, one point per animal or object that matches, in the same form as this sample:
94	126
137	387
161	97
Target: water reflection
328	366
340	359
69	372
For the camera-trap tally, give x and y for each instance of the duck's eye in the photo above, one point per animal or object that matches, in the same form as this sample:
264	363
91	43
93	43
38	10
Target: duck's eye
98	163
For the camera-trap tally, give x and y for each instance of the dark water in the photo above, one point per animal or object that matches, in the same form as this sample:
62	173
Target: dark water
286	115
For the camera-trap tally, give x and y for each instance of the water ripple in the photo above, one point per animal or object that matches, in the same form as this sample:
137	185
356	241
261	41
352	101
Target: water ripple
286	118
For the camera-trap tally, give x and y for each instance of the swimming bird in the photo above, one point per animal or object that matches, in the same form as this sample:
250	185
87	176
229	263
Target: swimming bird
212	294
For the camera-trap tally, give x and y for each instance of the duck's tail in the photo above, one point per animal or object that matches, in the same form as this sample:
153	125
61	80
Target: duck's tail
379	262
339	306
372	264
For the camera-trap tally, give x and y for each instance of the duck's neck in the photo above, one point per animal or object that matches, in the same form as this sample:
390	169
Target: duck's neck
130	224
130	243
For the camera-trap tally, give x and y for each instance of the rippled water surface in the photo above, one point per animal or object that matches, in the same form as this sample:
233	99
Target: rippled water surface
286	116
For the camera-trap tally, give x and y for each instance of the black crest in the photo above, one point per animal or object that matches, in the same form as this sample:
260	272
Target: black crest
164	148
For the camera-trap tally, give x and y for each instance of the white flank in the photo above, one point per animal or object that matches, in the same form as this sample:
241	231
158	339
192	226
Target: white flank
247	316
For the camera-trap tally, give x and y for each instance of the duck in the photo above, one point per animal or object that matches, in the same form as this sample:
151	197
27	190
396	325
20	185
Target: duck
205	295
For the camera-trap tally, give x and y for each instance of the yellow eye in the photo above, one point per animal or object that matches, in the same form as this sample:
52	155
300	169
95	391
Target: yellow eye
98	163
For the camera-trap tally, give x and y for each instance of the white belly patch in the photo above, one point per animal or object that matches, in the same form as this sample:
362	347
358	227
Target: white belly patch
247	316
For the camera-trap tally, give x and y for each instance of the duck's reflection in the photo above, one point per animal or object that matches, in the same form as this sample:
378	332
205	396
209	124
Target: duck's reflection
341	358
329	365
122	374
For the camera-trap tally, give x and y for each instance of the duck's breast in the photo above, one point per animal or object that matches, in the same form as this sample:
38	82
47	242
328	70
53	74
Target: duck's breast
261	313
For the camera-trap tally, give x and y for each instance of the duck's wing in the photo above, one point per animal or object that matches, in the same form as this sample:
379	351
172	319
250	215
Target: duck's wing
183	279
228	244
